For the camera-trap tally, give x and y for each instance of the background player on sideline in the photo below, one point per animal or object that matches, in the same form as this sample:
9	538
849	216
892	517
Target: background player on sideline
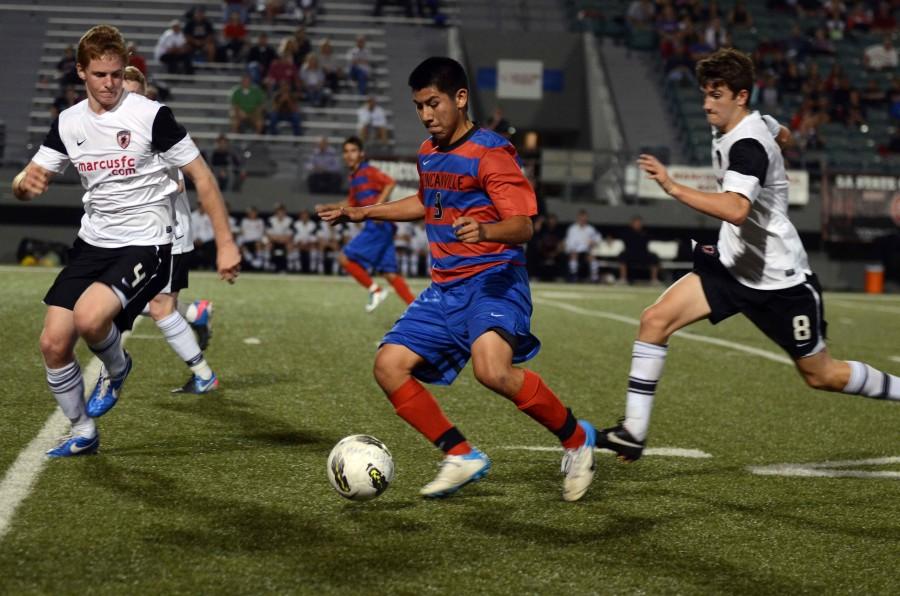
477	206
122	145
758	267
163	308
373	248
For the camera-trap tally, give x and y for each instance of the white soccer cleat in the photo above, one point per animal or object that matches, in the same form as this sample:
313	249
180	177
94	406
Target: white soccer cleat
578	465
376	298
456	472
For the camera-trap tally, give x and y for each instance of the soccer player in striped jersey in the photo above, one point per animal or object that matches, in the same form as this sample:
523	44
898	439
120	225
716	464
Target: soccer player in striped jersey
122	145
373	249
165	309
477	206
758	267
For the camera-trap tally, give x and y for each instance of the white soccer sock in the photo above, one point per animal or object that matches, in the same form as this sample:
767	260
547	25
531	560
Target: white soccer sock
179	335
67	386
374	287
871	382
647	362
202	369
110	352
573	266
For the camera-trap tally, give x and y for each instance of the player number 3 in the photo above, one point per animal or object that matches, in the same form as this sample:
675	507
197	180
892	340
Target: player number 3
802	330
438	208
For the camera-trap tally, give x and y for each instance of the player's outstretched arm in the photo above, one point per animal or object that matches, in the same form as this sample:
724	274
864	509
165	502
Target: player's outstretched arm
727	206
31	182
228	257
408	209
517	229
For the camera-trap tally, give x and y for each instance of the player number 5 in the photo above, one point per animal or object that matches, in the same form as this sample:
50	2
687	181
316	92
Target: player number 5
802	331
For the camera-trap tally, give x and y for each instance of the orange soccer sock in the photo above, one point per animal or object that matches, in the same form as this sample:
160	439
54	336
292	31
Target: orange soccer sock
402	289
359	274
420	409
541	404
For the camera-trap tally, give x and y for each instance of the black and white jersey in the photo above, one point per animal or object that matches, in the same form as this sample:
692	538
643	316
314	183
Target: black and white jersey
123	157
764	252
182	238
304	231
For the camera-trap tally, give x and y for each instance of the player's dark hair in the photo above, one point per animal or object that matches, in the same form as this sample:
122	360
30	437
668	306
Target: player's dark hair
99	41
445	74
354	140
728	67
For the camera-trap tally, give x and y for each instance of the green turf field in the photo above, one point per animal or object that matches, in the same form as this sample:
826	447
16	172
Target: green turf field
228	493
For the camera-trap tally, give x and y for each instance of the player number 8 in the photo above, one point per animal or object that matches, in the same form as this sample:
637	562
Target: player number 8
802	330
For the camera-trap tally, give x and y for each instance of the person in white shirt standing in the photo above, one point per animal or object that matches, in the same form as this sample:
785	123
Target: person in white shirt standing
581	238
123	146
759	266
175	319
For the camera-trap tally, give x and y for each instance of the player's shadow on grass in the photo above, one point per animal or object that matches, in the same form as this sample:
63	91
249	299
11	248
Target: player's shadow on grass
202	520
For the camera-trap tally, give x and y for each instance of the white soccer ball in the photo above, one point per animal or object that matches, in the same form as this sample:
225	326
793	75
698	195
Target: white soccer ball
360	467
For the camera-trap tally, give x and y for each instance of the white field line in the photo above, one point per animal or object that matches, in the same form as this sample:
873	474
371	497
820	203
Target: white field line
830	469
660	451
895	358
24	472
775	357
860	305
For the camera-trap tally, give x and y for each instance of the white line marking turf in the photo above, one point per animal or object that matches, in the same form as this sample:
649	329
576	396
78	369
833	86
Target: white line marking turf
830	469
895	358
21	477
660	451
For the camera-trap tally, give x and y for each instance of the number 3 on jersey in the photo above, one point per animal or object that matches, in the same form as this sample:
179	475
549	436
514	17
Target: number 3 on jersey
438	208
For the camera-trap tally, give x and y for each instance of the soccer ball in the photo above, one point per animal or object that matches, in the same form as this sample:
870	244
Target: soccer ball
360	467
198	312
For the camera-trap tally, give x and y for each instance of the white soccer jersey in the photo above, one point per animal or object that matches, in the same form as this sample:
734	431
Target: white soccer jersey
304	231
280	226
764	252
122	156
252	230
201	227
581	238
182	239
403	234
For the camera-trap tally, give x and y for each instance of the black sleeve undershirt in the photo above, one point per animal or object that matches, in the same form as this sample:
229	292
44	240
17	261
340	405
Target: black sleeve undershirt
166	131
748	157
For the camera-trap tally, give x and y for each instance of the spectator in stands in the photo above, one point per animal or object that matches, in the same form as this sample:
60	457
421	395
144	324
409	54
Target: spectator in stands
136	60
856	110
893	144
271	9
667	23
324	169
806	122
172	49
894	101
637	254
302	46
248	102
820	45
499	124
306	11
280	236
581	238
284	108
304	254
252	239
283	70
881	56
234	35
641	14
260	57
204	253
330	65
371	118
679	66
873	96
835	23
312	77
68	99
884	21
859	19
791	81
212	52
359	64
240	7
66	71
796	46
766	93
550	245
226	164
198	29
715	34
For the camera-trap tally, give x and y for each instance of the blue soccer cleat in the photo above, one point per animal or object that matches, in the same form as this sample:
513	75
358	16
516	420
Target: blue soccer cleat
198	386
106	392
456	472
578	465
72	446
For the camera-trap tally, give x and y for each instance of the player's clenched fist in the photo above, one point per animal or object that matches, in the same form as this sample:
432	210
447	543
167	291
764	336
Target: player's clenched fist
468	230
228	261
31	182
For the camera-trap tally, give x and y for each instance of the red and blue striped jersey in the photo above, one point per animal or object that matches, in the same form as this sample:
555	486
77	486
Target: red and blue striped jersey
479	176
366	184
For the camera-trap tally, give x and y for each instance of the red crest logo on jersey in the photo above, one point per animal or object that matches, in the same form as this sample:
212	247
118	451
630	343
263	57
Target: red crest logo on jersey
124	138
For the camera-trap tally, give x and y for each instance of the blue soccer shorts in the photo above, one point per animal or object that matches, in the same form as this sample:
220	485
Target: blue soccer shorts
444	321
373	248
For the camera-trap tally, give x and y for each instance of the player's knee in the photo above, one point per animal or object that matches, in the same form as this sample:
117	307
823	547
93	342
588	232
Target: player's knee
55	350
654	321
87	321
494	376
388	374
